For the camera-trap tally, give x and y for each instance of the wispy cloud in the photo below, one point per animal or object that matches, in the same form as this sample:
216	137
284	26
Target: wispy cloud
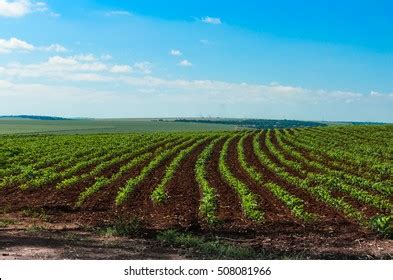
145	96
175	53
85	57
117	13
211	20
54	48
121	69
106	57
83	67
144	67
185	63
75	79
76	68
20	8
18	45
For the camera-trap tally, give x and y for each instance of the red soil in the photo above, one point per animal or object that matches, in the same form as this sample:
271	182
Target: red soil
181	207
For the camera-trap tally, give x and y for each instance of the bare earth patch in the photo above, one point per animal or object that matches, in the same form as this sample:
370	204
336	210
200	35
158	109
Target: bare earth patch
34	238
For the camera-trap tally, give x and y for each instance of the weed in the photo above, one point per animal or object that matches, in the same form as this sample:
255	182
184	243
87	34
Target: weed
6	222
35	213
208	248
383	224
121	228
35	228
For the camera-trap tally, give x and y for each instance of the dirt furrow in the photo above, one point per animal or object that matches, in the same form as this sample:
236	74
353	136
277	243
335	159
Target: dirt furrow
368	210
274	210
181	207
330	163
326	214
229	210
57	201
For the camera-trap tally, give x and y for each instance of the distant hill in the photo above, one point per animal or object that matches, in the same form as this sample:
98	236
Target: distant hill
355	123
31	117
256	123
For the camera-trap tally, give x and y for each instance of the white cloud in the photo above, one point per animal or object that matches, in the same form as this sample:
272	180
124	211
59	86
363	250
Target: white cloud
121	69
117	13
73	68
185	63
56	67
38	6
55	48
144	67
64	81
20	8
14	9
151	96
106	57
204	41
211	20
14	44
5	84
36	98
85	57
58	60
175	53
53	14
75	64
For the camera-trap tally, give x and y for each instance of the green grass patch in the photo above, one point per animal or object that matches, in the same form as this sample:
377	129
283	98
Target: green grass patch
35	213
213	249
6	222
121	228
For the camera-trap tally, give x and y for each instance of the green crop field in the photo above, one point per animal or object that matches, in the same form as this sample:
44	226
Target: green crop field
314	182
95	126
347	170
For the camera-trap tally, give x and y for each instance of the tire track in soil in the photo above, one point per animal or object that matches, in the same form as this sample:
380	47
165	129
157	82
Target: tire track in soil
367	210
311	204
275	212
181	207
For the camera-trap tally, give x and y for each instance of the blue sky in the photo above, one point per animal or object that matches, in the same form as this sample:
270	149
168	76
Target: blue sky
312	60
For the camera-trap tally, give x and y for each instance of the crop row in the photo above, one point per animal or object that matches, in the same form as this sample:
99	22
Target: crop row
329	179
295	204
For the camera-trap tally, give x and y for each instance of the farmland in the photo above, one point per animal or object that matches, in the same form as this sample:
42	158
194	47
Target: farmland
284	189
93	126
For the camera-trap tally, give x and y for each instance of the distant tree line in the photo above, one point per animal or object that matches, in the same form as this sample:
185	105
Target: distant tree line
256	123
31	117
